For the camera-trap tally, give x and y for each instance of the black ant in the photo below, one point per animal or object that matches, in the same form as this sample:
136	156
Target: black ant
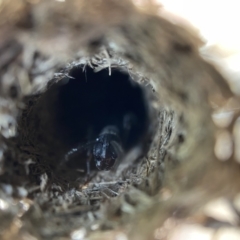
107	149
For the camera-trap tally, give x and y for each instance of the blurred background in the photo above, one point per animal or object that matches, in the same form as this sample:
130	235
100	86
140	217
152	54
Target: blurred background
215	22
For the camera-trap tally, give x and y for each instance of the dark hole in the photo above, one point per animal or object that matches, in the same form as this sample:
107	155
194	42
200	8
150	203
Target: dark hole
73	113
91	101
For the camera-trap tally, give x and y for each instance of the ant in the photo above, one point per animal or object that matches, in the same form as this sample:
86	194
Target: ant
106	150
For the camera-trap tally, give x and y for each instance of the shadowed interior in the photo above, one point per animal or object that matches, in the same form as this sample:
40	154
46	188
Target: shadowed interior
73	112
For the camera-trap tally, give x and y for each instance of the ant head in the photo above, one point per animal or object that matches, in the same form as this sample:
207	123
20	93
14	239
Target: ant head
105	156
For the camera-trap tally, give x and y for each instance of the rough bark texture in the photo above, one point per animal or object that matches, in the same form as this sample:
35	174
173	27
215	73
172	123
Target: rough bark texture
40	38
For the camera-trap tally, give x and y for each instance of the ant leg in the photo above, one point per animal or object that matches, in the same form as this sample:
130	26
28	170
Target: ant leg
77	149
88	167
71	152
89	176
118	149
89	158
88	179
